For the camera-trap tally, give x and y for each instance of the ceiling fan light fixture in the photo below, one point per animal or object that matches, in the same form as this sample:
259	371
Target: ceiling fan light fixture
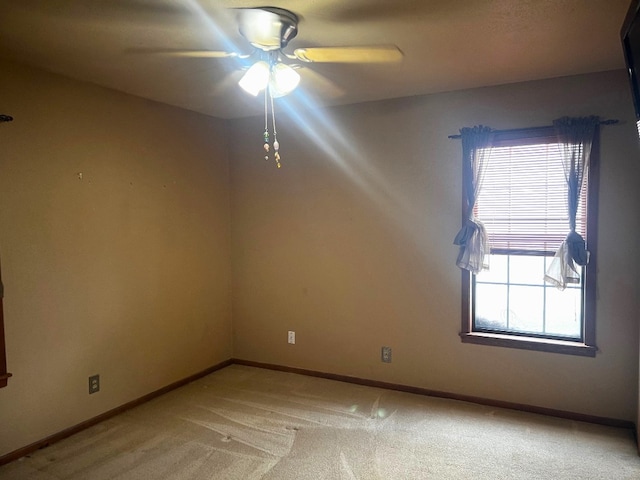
284	80
256	78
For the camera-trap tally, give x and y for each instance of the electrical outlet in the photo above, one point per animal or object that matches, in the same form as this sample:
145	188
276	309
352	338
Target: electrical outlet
385	355
291	337
94	384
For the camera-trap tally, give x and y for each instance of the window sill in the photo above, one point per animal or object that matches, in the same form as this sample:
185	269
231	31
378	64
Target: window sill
528	343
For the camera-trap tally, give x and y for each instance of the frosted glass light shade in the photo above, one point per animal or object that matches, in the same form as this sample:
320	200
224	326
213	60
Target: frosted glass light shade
284	80
256	78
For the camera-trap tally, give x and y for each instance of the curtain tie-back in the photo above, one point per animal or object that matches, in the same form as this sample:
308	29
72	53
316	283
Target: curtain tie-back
562	268
474	246
577	248
467	231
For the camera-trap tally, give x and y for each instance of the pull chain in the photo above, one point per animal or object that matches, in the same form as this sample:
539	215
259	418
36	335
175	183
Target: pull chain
276	145
266	127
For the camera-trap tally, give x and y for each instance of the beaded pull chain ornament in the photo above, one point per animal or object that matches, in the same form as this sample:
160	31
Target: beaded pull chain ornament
276	145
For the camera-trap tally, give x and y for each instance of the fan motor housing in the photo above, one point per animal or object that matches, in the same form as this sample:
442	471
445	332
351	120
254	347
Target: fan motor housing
268	28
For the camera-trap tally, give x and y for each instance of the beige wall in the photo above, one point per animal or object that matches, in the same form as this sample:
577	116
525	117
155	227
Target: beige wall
350	245
125	272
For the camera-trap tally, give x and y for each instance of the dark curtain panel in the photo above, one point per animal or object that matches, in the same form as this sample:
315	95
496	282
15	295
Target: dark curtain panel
472	237
576	137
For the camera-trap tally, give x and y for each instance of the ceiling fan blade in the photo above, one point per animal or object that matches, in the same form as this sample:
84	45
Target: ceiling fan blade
170	52
314	82
373	54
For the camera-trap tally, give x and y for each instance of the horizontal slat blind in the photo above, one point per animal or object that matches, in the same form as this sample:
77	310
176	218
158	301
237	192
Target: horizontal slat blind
523	198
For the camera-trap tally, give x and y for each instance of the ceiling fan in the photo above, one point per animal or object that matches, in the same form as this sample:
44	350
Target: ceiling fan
269	30
272	70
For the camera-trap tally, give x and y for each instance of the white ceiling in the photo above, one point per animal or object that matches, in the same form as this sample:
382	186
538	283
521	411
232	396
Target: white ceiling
447	45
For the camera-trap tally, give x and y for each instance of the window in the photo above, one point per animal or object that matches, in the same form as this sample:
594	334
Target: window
523	206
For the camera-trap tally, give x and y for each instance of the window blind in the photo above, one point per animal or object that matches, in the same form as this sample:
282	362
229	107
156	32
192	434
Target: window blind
523	199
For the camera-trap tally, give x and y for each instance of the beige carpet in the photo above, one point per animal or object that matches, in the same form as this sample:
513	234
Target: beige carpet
249	423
